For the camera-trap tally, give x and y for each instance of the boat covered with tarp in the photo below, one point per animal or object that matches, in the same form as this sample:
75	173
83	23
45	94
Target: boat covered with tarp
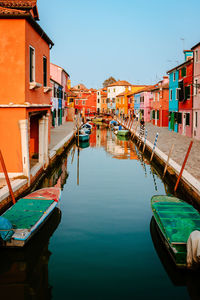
179	224
22	220
123	132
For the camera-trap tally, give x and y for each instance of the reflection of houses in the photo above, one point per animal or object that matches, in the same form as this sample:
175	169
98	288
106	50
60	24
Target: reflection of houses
59	81
25	78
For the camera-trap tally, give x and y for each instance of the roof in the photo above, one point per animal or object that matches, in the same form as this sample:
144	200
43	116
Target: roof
24	9
61	68
27	5
195	46
181	65
120	83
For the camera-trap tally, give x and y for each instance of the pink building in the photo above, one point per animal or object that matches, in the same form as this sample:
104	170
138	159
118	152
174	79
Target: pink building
145	105
196	92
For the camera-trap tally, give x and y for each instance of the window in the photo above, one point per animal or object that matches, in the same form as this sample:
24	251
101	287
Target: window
157	114
98	100
195	87
196	58
154	97
187	119
113	90
108	90
32	64
158	97
65	96
153	115
54	92
174	76
142	99
44	71
187	92
76	102
196	119
171	95
83	102
183	72
177	94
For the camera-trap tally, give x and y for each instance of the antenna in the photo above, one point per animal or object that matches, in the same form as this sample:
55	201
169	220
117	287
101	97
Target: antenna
183	40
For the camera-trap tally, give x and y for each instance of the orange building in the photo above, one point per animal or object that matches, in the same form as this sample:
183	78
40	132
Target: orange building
25	78
104	102
124	103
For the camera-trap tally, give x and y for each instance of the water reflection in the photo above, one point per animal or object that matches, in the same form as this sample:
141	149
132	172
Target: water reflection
24	272
178	277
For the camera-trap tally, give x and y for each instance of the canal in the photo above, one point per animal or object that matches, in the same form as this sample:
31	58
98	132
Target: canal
102	243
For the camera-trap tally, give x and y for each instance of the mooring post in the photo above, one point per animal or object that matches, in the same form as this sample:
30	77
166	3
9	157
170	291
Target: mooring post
145	140
183	166
7	178
170	153
134	130
154	146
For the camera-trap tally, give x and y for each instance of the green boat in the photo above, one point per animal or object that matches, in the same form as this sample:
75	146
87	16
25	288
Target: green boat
123	132
83	137
176	220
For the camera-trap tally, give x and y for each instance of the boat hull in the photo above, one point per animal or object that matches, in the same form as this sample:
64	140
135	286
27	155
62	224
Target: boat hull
123	132
176	220
29	214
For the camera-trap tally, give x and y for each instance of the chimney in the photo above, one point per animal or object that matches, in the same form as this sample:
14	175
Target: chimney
188	54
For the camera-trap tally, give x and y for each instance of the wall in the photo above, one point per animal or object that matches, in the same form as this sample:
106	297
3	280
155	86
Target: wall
12	61
196	98
41	49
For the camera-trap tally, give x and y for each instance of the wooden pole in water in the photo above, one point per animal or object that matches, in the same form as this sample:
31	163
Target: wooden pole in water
170	153
183	166
78	128
78	167
7	178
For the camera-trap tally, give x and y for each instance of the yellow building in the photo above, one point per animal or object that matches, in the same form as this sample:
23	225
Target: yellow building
123	104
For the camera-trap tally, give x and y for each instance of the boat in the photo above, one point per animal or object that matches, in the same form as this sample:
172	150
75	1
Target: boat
87	125
176	220
84	130
97	120
84	145
83	137
123	132
22	220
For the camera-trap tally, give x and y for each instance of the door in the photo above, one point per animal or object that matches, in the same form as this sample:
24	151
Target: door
172	121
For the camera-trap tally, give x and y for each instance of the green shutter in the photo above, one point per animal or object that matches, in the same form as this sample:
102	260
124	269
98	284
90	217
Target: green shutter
158	114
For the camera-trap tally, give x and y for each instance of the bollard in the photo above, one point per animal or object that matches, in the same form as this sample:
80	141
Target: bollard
170	153
145	140
154	146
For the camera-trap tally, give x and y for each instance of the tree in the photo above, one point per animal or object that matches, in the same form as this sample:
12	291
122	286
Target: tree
109	81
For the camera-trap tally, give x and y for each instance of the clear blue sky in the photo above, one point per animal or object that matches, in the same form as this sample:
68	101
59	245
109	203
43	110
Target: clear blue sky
133	40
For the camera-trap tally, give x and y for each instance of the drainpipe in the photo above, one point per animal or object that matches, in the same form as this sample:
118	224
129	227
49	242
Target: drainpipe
23	125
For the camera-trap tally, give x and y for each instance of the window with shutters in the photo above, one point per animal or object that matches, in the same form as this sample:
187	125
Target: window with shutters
183	72
44	71
31	64
187	119
187	92
153	115
158	114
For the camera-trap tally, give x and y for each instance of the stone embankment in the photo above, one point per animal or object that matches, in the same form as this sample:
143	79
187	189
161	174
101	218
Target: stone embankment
190	180
61	137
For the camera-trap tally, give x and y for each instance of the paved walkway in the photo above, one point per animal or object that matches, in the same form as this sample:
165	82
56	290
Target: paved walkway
181	143
59	133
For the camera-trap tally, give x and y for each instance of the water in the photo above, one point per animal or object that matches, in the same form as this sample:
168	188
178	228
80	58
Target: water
104	243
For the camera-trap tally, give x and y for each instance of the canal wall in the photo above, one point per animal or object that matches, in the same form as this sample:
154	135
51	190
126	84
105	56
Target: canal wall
189	185
61	138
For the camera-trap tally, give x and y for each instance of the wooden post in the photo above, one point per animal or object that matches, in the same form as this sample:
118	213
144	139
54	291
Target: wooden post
170	153
78	128
134	130
7	178
154	146
145	140
183	166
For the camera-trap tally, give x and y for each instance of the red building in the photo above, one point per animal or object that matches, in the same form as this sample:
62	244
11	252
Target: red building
160	103
185	97
86	100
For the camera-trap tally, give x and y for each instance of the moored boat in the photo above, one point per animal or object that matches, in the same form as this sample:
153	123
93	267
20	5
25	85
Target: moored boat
20	222
176	221
123	132
83	137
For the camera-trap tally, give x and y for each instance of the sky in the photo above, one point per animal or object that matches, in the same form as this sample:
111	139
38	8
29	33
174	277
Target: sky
133	40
